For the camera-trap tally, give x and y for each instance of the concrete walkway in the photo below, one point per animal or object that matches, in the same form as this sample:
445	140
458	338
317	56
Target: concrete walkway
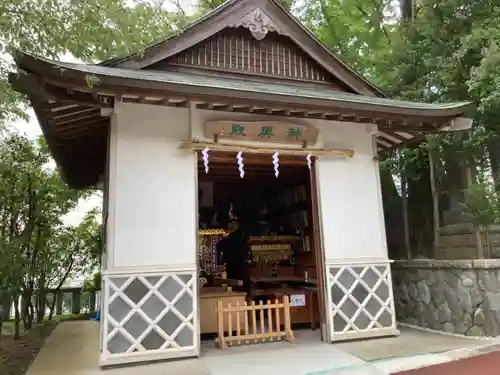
73	349
411	342
307	356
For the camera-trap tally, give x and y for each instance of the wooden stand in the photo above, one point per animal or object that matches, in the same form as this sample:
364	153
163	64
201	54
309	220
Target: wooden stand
208	308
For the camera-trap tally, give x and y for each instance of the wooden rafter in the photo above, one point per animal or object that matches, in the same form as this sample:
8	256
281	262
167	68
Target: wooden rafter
156	96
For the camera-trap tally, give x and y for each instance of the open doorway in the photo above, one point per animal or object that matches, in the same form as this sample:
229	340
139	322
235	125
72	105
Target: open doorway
257	238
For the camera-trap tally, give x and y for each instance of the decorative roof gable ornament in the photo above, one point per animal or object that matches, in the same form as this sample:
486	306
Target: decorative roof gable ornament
258	23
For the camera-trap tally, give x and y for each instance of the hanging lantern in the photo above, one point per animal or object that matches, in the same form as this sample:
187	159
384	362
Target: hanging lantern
276	162
239	157
309	161
205	158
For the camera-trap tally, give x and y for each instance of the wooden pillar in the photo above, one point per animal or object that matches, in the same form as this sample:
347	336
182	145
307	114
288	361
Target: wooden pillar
92	301
59	302
75	301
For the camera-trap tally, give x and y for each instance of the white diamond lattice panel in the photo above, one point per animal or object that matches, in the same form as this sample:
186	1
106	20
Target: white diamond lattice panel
149	313
361	299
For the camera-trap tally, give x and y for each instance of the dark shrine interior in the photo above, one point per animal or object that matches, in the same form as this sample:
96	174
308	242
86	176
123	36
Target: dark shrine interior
255	198
275	216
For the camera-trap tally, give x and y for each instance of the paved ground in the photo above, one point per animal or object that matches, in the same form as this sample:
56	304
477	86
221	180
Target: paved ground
303	358
73	349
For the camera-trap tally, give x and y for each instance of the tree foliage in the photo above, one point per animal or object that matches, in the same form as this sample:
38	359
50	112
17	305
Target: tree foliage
434	52
37	251
89	30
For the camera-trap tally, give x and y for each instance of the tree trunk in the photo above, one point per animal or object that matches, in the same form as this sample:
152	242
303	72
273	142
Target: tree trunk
493	148
26	297
27	308
454	184
17	319
391	200
6	304
477	230
31	315
40	313
406	224
420	220
24	309
53	305
487	253
407	10
435	202
1	320
479	243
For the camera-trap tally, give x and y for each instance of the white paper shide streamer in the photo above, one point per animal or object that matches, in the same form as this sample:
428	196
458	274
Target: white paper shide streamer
309	161
276	163
239	157
205	158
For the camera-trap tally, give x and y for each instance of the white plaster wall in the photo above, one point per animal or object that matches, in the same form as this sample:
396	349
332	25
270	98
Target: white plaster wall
153	188
350	196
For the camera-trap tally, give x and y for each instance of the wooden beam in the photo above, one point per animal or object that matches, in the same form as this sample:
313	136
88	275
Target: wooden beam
262	105
97	121
40	89
256	159
69	112
215	170
258	180
198	146
77	119
258	166
95	129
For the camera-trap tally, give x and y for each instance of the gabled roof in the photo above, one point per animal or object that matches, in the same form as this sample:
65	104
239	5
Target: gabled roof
191	85
73	114
233	13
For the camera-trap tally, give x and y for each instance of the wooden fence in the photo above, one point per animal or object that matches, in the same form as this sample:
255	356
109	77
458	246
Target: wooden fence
238	324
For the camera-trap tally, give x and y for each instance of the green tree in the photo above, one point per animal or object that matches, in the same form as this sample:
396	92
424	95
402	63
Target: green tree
360	32
34	246
70	253
89	30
